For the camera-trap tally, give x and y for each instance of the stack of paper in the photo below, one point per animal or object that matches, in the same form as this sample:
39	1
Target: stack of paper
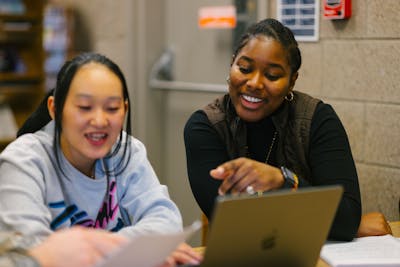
366	251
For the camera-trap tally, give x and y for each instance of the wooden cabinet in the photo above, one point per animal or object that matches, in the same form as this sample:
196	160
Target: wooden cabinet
21	59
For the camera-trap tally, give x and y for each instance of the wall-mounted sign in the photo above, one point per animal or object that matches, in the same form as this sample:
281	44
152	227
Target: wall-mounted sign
301	16
217	17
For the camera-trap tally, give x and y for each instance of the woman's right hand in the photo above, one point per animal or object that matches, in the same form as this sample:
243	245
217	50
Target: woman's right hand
240	173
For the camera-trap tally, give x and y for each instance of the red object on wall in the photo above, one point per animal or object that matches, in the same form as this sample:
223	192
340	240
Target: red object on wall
337	9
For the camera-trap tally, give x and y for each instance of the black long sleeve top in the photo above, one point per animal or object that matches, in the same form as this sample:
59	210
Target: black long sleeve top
330	161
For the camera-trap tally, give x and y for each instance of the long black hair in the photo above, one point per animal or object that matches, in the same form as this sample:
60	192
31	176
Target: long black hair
40	117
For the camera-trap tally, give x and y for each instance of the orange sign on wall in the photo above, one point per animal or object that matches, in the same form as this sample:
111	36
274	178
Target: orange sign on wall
217	17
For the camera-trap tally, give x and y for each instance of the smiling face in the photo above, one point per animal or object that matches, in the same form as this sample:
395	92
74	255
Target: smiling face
260	78
93	115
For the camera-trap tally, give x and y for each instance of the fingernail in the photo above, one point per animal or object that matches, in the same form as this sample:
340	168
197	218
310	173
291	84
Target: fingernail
195	262
220	192
220	170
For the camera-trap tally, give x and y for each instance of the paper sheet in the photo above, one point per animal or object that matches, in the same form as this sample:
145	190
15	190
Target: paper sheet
367	251
148	250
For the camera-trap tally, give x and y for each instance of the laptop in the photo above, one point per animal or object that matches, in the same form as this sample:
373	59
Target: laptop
280	228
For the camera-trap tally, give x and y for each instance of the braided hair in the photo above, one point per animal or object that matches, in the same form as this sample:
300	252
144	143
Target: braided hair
272	28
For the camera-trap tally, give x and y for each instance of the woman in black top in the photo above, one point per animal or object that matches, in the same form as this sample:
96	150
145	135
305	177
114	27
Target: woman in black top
263	135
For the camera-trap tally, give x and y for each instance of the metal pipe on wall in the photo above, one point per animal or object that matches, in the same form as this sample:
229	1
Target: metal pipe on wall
161	77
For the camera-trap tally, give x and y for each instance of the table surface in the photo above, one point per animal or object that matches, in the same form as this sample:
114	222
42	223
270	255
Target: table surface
395	226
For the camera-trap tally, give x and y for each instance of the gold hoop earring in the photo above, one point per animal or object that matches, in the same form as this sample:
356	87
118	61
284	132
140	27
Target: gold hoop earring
289	97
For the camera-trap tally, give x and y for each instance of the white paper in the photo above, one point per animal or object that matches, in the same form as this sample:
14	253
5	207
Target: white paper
366	251
148	250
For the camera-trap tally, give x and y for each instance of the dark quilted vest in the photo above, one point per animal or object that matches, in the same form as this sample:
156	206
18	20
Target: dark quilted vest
292	122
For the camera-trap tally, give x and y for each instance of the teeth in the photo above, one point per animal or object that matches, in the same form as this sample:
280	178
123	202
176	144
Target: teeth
97	137
252	99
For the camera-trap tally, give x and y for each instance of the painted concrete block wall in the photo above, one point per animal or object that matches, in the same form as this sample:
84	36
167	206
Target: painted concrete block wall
104	26
355	66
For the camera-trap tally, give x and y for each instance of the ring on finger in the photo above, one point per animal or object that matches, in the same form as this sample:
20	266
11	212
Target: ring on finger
250	190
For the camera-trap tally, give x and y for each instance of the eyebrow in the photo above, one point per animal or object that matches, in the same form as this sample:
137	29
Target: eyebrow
273	65
91	96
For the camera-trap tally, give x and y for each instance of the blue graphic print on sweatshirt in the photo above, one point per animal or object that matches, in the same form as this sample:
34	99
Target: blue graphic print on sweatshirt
106	214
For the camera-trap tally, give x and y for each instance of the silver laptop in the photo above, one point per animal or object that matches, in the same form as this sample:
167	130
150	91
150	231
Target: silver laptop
281	228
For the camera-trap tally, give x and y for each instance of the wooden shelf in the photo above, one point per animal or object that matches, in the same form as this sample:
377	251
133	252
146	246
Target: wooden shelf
7	77
14	35
22	85
29	16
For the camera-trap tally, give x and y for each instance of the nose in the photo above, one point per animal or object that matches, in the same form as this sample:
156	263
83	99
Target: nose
255	81
99	119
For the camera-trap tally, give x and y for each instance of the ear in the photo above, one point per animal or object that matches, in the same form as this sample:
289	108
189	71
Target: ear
126	106
232	60
293	80
51	107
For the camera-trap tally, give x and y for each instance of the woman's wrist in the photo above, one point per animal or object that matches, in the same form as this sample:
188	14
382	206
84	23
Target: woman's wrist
290	178
281	178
